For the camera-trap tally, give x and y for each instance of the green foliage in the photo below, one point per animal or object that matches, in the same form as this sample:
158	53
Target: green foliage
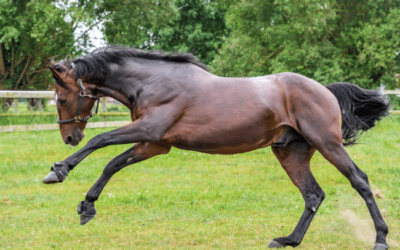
30	32
353	41
128	23
181	25
199	28
395	101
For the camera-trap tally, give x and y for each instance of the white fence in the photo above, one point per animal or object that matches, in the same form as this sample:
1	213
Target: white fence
50	94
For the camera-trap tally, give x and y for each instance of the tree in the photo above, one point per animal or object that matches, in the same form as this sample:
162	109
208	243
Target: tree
181	25
354	41
130	23
30	32
198	28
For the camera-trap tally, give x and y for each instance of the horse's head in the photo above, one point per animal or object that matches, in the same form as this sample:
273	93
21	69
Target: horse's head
75	100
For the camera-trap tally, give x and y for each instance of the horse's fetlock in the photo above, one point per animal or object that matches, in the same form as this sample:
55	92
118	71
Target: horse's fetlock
91	198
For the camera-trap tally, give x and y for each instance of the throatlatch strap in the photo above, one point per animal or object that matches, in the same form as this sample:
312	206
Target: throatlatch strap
79	107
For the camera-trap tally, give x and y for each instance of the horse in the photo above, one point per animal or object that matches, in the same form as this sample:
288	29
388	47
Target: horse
174	101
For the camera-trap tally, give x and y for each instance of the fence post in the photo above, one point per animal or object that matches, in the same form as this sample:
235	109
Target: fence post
15	105
104	107
103	104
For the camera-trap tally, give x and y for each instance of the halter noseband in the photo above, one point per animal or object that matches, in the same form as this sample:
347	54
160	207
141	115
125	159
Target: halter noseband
82	94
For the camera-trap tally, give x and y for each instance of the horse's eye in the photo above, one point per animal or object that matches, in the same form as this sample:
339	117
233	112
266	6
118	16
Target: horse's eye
62	102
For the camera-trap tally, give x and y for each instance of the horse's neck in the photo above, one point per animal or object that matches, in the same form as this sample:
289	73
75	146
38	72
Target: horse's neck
117	96
123	83
126	83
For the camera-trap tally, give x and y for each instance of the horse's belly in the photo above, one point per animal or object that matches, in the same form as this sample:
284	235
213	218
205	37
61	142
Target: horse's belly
220	141
231	149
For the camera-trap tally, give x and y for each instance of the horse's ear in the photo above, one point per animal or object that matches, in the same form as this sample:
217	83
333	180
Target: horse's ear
55	73
52	63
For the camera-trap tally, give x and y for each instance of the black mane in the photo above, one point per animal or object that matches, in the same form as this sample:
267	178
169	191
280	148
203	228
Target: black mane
95	65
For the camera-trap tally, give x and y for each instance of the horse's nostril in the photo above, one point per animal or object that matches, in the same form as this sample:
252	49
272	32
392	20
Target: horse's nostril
68	140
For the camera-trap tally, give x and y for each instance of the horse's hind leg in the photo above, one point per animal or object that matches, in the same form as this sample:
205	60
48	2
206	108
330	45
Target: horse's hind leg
295	159
335	153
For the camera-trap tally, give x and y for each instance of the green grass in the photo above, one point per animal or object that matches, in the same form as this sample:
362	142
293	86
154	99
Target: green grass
189	200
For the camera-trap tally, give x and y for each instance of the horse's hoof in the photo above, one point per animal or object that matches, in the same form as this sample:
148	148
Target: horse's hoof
86	218
58	173
51	178
86	210
275	244
380	246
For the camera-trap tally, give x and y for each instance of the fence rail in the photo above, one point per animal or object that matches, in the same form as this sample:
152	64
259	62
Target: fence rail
55	126
55	114
26	94
50	94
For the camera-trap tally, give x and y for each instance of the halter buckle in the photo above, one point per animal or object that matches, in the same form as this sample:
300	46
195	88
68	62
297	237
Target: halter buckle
80	84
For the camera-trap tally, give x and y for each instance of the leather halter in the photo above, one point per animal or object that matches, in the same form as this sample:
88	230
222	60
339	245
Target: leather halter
82	94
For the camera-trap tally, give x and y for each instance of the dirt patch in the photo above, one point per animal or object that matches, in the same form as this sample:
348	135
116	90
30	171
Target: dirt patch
364	228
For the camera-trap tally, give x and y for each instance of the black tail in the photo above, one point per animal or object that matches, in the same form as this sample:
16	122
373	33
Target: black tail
361	109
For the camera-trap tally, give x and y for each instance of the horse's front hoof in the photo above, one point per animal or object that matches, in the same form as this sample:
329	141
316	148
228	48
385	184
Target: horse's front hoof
86	210
275	244
51	178
58	173
380	246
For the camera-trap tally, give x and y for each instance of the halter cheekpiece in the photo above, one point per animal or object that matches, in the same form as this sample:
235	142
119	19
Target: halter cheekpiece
82	94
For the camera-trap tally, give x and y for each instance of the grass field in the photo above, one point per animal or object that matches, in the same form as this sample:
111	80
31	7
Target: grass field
190	200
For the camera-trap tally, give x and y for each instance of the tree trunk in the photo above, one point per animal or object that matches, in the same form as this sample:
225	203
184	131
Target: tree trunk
23	72
2	65
36	103
5	104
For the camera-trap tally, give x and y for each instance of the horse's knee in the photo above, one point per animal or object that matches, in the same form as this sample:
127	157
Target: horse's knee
109	171
98	141
114	166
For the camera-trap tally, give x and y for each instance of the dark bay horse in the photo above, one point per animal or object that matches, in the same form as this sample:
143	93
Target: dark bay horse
175	102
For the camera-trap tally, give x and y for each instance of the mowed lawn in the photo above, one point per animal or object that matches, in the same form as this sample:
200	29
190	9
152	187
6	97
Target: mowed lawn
190	200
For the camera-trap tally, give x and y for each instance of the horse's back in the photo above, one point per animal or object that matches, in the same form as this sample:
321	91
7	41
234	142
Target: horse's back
288	96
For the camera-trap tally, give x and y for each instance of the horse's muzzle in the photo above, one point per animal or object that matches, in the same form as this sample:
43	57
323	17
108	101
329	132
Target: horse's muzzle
75	138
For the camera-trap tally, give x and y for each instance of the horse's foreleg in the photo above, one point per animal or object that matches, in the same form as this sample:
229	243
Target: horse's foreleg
140	131
295	159
137	153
